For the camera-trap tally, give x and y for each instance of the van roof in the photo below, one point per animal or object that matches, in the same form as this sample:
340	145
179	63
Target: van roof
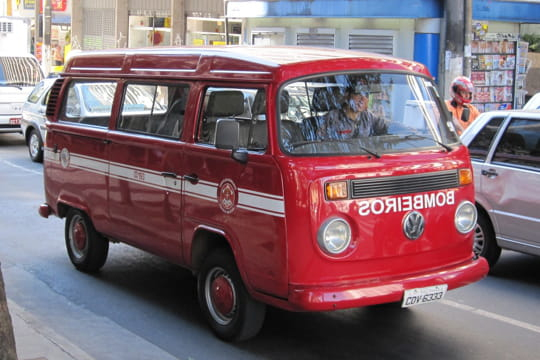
237	62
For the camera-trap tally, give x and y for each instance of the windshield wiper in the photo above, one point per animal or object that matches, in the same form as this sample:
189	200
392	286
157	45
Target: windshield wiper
12	85
416	137
307	142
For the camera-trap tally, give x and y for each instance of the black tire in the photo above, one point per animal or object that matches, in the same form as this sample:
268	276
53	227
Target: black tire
485	244
237	316
35	146
86	248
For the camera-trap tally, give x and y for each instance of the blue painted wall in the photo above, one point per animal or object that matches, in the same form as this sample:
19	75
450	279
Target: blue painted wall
426	51
495	10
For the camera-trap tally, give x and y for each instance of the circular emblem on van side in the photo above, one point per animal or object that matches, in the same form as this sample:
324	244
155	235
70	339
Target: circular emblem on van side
227	196
64	158
413	225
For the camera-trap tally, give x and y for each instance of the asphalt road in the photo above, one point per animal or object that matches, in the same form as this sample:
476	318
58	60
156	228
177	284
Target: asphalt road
141	307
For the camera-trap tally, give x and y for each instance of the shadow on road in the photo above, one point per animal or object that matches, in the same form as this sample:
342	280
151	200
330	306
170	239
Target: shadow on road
518	267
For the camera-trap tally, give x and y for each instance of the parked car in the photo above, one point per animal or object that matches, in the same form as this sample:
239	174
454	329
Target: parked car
18	76
33	118
505	150
533	103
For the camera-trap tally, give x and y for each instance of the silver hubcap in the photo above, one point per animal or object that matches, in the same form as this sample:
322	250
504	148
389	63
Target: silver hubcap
479	240
33	145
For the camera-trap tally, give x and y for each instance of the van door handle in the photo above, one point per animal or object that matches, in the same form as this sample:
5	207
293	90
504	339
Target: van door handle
192	178
169	174
490	173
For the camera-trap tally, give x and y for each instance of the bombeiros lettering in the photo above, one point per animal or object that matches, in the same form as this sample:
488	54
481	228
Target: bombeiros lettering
406	203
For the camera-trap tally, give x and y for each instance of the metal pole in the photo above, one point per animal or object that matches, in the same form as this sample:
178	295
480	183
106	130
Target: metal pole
468	38
225	2
46	60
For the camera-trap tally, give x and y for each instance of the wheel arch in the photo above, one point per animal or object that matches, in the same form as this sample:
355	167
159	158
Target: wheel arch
206	240
482	210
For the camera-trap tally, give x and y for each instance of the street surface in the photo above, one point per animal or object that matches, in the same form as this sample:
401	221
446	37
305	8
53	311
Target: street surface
141	307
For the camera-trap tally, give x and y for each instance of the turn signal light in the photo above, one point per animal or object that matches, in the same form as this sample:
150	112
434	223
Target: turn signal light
336	190
465	176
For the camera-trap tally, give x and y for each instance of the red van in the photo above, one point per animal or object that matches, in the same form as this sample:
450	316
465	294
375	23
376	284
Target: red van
305	179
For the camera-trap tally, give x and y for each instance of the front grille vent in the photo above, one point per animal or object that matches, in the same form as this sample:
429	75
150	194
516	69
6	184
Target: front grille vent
408	184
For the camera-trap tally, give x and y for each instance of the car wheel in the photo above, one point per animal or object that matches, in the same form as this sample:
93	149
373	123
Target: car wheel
485	244
86	248
35	146
226	304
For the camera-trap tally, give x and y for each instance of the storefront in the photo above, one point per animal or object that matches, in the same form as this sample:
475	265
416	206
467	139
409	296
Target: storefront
60	29
139	23
410	29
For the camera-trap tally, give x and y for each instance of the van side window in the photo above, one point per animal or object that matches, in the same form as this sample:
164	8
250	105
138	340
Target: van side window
89	102
246	106
154	109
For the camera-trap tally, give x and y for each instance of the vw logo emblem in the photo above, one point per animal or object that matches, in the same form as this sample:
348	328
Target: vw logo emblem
413	225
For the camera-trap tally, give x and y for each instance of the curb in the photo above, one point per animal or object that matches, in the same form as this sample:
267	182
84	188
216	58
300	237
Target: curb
35	341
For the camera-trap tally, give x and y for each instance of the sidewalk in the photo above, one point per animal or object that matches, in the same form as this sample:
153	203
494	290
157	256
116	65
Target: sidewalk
36	341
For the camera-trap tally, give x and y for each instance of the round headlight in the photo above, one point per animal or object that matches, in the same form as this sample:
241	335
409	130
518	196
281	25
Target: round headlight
466	215
334	236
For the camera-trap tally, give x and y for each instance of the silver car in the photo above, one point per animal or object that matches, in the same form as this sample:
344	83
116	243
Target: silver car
33	118
505	152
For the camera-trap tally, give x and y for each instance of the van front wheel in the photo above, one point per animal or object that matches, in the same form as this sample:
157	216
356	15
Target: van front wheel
232	313
86	248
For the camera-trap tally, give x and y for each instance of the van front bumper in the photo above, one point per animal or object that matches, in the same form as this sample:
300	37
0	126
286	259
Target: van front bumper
334	297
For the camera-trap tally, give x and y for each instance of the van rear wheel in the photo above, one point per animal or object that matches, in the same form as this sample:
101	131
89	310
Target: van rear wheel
232	313
86	248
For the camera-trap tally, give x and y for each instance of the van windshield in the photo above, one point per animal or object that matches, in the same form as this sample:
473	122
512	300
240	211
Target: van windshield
19	71
362	113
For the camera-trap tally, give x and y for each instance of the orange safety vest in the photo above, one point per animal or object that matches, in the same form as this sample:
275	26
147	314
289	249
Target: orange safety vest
457	113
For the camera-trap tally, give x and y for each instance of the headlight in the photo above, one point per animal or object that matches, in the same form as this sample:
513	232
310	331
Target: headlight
465	219
334	236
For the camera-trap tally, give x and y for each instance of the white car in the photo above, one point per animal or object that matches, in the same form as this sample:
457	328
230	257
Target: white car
33	118
505	151
533	103
18	76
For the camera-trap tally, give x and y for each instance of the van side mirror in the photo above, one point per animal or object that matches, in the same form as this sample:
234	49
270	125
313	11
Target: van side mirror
228	137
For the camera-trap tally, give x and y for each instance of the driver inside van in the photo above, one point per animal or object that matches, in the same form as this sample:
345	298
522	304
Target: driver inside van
352	119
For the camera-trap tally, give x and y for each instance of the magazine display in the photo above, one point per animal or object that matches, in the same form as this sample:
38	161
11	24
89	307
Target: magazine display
494	65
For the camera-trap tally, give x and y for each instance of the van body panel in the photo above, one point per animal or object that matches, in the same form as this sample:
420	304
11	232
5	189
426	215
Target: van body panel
145	193
246	202
78	162
378	239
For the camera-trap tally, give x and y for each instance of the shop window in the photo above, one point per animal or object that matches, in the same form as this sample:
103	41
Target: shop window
145	31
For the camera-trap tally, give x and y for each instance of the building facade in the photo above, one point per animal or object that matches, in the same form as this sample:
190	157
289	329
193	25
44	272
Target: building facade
434	32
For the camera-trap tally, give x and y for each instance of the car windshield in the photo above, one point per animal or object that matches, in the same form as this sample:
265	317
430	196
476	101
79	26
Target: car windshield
362	113
19	71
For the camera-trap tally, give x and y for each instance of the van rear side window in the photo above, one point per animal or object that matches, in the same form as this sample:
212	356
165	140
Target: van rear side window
89	103
154	109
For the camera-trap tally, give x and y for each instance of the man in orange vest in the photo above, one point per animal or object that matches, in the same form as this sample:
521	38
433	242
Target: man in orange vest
463	112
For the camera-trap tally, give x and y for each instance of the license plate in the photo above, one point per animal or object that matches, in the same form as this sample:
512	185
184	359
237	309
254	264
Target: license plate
423	295
15	121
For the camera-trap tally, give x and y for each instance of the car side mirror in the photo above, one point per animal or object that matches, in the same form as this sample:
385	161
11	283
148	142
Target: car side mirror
228	137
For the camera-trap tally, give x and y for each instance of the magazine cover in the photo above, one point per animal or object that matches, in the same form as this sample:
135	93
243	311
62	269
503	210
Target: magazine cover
478	78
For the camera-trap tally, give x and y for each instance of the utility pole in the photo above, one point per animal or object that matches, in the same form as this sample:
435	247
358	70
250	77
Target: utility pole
46	50
455	34
468	38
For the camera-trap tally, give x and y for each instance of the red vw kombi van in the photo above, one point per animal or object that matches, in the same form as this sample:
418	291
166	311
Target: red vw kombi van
305	179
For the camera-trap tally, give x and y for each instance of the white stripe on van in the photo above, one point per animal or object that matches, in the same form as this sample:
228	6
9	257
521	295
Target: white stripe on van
249	200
